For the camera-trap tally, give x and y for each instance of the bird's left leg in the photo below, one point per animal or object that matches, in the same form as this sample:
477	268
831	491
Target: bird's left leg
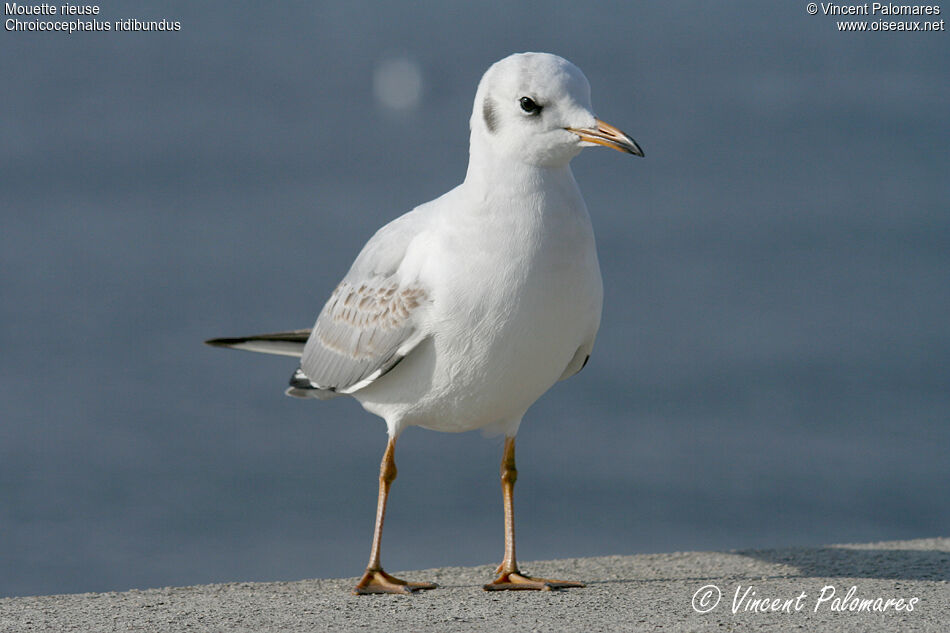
375	580
509	576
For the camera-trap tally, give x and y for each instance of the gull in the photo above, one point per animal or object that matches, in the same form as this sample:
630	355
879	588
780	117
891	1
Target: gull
461	313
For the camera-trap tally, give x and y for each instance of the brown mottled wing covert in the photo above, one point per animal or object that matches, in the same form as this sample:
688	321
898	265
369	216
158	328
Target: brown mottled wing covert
363	331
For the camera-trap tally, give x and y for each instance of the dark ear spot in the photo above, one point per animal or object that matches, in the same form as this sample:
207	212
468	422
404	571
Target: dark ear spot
488	113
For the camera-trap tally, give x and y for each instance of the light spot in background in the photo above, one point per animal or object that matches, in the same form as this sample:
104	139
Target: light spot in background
397	83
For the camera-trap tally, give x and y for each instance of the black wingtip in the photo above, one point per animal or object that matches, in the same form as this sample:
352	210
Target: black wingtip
223	342
299	380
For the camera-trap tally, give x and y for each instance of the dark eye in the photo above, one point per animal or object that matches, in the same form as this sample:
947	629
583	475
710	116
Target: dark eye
529	106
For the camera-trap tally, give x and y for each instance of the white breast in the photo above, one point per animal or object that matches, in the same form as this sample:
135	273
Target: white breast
516	292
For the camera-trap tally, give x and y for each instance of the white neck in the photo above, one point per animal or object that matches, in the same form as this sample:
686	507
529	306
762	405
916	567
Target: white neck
490	171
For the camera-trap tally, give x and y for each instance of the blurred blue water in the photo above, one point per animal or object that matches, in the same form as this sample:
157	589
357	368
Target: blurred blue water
774	361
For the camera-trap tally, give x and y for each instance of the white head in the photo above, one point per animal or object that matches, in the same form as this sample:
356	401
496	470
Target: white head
535	108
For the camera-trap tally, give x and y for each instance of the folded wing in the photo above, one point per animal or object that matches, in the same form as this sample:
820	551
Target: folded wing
371	320
368	325
364	330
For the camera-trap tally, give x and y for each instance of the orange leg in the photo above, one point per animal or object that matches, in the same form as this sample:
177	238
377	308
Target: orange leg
509	576
375	580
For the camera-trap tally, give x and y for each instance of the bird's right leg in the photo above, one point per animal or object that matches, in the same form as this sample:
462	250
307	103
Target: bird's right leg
509	576
375	580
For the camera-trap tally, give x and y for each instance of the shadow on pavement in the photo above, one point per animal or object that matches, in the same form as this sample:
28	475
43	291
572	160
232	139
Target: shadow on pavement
907	564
